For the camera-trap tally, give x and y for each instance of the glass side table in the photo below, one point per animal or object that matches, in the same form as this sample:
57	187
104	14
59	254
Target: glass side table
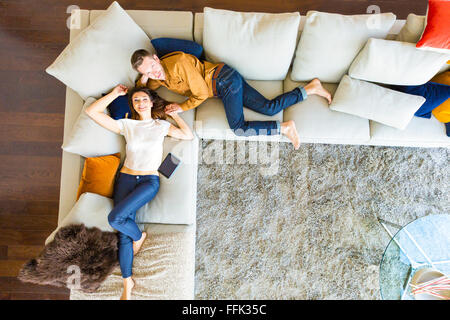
423	243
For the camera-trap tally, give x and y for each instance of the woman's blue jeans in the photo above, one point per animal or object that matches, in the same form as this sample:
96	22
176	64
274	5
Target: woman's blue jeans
130	193
236	93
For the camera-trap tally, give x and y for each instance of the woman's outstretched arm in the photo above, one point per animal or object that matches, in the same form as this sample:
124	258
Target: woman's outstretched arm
96	110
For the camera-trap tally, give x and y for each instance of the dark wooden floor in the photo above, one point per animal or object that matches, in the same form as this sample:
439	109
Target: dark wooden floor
32	34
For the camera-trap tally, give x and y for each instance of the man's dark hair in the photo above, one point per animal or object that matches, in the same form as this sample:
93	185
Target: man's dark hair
138	56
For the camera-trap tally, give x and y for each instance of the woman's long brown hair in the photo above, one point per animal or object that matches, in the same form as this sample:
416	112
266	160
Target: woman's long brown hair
158	107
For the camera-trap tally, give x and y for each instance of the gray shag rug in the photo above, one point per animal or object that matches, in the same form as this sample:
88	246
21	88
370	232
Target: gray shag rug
305	225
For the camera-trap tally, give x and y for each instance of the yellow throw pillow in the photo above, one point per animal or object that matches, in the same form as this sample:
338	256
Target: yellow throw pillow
99	174
442	112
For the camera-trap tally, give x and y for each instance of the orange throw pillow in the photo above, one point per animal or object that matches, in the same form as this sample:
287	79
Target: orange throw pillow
99	174
436	35
442	113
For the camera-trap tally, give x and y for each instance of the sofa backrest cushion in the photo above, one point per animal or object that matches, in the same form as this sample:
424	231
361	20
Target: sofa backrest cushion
413	29
260	46
329	42
157	24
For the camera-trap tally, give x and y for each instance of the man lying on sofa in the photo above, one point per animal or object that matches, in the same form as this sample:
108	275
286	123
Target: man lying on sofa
186	75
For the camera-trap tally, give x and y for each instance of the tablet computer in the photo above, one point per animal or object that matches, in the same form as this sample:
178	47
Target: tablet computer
169	165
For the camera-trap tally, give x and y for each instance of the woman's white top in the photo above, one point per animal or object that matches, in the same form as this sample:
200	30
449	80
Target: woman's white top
144	142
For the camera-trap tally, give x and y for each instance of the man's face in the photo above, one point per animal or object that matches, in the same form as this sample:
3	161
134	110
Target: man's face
152	68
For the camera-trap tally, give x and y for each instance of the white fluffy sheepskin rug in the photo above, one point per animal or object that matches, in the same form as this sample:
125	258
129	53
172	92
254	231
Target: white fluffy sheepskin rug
306	225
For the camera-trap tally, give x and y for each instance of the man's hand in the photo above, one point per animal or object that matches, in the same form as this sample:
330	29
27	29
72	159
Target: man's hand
173	108
143	80
120	90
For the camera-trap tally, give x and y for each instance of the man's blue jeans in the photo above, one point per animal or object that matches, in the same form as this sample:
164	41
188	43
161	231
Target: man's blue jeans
236	93
130	193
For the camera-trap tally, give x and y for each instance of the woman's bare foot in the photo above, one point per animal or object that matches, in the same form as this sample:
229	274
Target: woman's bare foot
289	130
128	284
138	244
315	87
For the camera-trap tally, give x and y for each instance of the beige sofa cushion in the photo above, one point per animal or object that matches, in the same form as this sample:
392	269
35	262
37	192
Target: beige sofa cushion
329	43
198	27
211	121
413	29
258	45
99	57
157	24
317	123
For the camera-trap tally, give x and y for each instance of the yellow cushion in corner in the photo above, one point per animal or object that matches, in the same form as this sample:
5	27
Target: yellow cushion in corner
442	112
99	174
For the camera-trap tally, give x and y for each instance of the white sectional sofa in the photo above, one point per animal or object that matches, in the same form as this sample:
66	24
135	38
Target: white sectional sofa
316	123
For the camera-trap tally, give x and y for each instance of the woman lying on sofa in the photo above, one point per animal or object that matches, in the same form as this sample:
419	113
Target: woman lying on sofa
187	75
138	180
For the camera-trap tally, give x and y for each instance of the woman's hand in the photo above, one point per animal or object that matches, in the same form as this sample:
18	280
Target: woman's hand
173	108
120	90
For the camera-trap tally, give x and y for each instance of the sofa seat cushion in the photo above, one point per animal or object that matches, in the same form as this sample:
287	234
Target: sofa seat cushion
420	132
175	202
211	121
317	123
164	269
158	24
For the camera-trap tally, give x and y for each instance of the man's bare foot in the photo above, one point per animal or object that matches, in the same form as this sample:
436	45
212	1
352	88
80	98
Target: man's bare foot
138	244
289	130
315	87
128	285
